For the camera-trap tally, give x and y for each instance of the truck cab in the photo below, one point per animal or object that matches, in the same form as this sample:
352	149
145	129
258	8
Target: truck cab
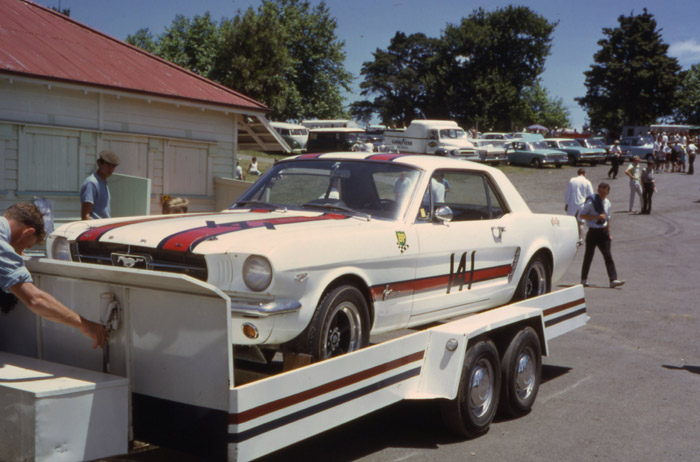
439	137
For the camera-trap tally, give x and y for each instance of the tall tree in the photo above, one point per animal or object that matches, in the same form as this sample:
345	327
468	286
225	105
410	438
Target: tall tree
633	80
397	76
688	97
489	58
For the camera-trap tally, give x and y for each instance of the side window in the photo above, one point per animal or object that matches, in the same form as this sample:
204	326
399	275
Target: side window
470	195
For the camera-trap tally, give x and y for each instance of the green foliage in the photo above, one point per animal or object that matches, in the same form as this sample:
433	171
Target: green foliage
688	97
475	73
398	77
537	107
284	53
633	80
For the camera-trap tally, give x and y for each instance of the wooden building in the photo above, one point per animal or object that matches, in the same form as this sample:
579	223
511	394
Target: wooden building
68	91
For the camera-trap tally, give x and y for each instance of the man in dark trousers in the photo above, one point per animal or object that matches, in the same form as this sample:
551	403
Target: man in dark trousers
596	212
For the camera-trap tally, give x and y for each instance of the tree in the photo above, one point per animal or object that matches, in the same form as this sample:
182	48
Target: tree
488	60
397	77
537	107
633	80
688	97
284	53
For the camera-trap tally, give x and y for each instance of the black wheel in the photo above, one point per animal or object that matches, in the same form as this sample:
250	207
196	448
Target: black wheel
521	367
557	165
536	163
572	160
339	325
594	163
536	280
472	411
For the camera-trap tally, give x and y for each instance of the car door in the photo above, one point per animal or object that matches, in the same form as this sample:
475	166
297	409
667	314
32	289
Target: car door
464	264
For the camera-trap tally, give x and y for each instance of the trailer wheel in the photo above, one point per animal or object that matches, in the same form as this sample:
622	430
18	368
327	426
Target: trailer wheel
536	280
522	372
472	411
339	325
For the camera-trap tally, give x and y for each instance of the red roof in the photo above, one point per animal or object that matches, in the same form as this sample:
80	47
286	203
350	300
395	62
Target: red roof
39	42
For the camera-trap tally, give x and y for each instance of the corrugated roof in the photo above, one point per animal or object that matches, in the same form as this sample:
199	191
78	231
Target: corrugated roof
39	42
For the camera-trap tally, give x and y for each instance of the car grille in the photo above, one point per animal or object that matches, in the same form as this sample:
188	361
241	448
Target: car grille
100	253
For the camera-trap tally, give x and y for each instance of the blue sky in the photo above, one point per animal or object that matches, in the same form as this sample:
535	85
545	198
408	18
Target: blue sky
367	25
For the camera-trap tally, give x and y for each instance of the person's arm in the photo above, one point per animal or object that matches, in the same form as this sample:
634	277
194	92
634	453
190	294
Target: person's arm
85	209
46	306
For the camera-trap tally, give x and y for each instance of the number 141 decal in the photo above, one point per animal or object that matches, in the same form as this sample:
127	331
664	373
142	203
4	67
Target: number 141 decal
462	275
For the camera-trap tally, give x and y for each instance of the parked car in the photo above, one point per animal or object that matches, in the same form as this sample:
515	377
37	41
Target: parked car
640	146
325	249
496	136
535	154
295	135
576	154
491	151
333	139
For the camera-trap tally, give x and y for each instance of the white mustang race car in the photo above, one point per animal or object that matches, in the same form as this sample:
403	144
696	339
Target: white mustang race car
325	249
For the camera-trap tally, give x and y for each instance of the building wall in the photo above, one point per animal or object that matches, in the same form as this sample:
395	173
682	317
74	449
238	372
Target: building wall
50	136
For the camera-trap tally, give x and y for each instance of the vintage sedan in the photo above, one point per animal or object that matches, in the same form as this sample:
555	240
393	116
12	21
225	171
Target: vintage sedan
535	154
576	154
326	249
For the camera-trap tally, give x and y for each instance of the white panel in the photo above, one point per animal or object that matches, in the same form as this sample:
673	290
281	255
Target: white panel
185	169
133	155
48	162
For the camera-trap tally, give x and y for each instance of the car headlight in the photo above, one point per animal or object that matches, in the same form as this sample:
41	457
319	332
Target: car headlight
60	249
257	273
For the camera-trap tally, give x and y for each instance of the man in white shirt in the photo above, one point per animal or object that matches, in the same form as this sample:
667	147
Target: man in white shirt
577	191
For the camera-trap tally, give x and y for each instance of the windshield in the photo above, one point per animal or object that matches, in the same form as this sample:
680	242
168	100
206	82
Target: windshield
376	189
453	133
571	143
595	143
539	145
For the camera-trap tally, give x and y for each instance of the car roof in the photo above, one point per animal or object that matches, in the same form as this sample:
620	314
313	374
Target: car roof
336	130
423	162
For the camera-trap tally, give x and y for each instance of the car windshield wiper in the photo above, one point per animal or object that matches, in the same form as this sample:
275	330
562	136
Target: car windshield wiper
261	204
337	206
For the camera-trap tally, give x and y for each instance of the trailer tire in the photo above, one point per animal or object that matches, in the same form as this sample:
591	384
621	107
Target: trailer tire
475	405
339	325
536	279
522	373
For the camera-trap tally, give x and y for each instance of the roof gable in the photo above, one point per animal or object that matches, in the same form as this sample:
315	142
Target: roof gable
39	42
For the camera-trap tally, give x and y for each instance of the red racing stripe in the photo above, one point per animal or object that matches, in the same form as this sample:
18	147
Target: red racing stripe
187	240
94	234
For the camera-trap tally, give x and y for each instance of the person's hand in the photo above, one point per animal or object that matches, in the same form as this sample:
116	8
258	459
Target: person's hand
95	331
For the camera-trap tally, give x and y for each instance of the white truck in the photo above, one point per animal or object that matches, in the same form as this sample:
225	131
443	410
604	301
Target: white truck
170	344
439	137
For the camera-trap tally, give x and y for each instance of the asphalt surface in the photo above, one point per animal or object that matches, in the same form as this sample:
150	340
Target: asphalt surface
624	388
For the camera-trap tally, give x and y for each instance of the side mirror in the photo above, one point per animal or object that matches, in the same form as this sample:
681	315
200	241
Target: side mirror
444	214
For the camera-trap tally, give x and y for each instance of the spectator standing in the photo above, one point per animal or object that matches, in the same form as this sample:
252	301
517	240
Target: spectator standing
648	187
634	172
668	155
616	153
577	190
596	212
692	152
94	193
22	227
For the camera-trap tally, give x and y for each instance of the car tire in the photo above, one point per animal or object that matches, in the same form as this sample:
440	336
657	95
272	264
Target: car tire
536	279
521	368
571	160
339	325
536	163
471	412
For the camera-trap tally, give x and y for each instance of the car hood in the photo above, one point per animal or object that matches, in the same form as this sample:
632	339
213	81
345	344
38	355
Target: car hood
202	233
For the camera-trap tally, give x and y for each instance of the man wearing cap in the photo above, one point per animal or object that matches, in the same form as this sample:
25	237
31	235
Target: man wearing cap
94	194
615	160
21	227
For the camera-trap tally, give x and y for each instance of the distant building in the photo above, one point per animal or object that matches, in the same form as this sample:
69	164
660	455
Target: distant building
68	91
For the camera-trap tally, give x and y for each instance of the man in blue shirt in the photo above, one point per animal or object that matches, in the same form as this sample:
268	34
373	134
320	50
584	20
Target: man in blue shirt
596	212
94	194
21	227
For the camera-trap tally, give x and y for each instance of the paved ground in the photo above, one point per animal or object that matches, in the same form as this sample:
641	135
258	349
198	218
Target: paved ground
624	388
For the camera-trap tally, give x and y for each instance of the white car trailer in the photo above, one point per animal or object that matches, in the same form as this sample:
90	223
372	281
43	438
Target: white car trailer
171	341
